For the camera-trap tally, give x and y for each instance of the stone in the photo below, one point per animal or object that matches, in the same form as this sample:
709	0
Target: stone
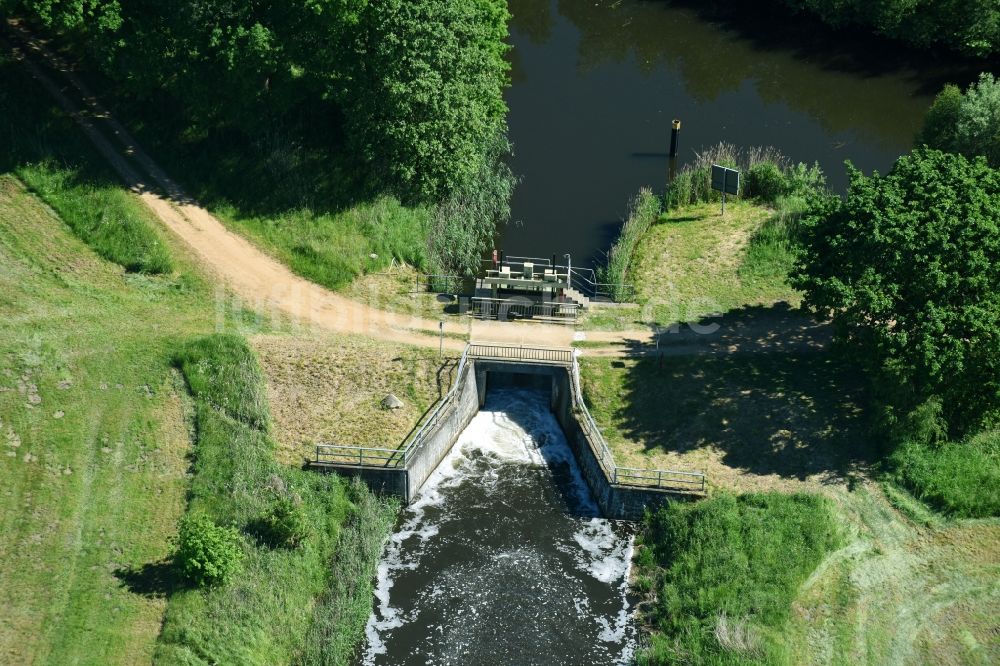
391	402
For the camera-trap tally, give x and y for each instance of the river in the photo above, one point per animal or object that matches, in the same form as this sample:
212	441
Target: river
503	558
595	84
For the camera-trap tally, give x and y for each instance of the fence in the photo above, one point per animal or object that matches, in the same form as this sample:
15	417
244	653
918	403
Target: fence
521	353
380	457
628	476
505	309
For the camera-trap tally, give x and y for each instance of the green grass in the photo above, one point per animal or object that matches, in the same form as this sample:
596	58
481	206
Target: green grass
332	249
264	615
749	421
48	153
116	225
94	439
725	572
960	479
644	210
695	262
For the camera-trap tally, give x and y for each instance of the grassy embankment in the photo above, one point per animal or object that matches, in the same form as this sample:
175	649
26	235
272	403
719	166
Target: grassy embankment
722	574
265	613
98	428
761	578
305	207
693	261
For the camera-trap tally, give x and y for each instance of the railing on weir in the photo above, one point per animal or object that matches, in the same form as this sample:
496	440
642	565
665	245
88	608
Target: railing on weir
504	309
663	479
583	280
394	458
491	352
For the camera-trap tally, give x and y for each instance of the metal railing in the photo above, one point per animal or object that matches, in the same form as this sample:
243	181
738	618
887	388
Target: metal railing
585	281
503	309
382	457
521	353
666	479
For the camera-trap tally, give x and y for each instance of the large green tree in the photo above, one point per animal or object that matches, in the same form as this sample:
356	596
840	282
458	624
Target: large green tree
967	123
424	102
909	266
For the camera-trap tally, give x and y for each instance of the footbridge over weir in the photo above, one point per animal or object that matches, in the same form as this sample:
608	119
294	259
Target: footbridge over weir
621	493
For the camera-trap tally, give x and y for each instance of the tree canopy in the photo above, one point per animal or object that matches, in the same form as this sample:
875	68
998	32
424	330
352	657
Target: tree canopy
969	26
966	123
909	266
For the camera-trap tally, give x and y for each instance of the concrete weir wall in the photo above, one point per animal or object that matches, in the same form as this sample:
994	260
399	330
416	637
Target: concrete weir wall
615	501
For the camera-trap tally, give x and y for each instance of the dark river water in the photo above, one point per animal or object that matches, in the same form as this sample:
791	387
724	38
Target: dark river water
597	82
502	558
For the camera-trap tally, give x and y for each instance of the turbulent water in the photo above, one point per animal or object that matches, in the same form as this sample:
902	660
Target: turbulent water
502	559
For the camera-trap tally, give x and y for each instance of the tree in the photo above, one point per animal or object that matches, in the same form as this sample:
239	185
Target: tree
424	100
966	123
208	554
908	266
464	224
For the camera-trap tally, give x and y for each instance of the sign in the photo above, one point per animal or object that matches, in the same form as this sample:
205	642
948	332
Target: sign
725	180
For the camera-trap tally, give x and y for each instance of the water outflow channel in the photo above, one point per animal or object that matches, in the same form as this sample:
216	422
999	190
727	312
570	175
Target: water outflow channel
503	557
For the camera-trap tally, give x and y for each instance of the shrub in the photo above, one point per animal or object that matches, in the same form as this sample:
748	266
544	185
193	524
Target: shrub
766	174
908	267
207	554
765	181
286	522
961	479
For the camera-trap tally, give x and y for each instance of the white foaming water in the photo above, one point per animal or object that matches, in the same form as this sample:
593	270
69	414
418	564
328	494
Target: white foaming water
515	431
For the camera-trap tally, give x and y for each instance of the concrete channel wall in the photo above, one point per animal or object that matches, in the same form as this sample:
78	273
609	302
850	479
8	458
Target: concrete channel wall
616	501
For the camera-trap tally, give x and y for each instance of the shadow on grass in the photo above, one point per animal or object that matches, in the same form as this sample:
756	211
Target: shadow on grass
765	390
154	580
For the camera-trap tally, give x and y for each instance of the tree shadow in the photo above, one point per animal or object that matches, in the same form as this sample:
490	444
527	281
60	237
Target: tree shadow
155	580
764	392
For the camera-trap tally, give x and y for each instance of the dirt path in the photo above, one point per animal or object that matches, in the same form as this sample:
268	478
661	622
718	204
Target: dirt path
259	280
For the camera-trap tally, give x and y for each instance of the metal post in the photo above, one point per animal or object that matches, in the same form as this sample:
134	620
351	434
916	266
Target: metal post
569	271
674	131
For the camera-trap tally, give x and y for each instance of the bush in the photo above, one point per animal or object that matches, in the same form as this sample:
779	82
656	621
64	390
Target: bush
766	174
968	124
908	266
286	522
960	479
765	181
727	570
207	554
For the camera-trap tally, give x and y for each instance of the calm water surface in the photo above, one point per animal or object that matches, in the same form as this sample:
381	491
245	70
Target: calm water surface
597	82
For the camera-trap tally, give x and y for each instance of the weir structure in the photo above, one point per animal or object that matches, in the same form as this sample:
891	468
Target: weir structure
622	493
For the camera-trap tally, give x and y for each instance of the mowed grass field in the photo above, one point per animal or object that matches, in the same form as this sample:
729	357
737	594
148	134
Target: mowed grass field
95	438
